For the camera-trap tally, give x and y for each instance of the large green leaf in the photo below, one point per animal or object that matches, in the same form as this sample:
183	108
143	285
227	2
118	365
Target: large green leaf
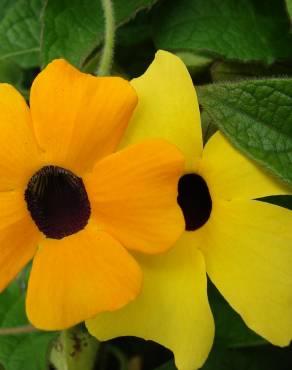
21	351
20	31
243	29
10	73
4	6
256	116
235	71
74	28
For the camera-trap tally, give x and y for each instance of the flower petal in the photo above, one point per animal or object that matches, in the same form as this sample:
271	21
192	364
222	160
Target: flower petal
248	251
172	308
79	118
167	108
18	236
19	155
231	175
133	195
75	278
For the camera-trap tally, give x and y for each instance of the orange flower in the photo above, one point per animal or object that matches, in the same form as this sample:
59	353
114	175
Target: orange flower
72	204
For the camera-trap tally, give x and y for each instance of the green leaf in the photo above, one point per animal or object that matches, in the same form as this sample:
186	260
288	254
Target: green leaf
21	351
208	127
73	29
20	32
231	71
256	116
136	31
10	73
244	30
134	49
4	6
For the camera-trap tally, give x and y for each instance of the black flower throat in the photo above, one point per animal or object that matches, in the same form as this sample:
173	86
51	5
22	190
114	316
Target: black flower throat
195	201
57	201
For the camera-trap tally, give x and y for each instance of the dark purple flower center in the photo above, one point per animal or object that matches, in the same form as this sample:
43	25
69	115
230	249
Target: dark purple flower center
57	201
195	201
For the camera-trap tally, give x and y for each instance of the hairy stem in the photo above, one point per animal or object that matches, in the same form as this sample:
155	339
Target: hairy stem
109	39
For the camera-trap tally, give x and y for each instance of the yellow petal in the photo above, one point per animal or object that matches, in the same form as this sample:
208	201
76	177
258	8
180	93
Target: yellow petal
231	175
248	251
79	118
172	308
18	236
133	195
19	156
75	278
167	107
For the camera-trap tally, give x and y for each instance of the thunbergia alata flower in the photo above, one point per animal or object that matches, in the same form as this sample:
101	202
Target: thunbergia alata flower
244	245
71	203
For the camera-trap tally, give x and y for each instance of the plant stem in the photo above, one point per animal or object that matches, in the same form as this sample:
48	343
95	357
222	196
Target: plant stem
109	39
18	330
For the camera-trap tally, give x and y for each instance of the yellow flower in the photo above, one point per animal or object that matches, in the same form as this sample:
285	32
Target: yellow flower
67	200
244	245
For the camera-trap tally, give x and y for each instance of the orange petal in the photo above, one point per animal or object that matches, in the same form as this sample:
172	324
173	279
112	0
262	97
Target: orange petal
75	278
77	117
18	236
19	156
133	195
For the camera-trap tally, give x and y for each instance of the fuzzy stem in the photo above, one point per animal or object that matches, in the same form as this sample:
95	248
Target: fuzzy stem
109	39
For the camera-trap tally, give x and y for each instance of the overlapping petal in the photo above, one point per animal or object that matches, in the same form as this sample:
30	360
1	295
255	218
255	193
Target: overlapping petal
19	155
172	308
79	276
231	175
247	248
167	108
79	118
133	195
